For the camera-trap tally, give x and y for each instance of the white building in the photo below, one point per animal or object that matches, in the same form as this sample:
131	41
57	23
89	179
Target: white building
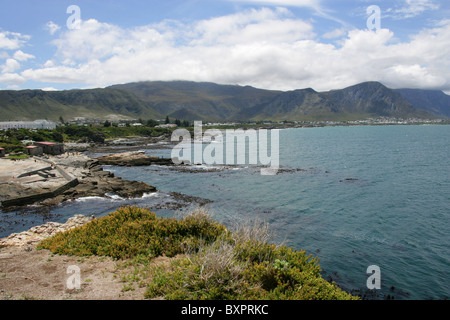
165	126
37	124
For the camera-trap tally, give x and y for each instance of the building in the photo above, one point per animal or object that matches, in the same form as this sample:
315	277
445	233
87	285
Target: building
2	152
37	124
167	126
34	151
51	148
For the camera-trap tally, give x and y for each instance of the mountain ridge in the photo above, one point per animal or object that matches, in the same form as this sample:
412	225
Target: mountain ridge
207	101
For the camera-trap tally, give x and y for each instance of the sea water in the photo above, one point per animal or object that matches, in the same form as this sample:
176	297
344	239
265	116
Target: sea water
352	196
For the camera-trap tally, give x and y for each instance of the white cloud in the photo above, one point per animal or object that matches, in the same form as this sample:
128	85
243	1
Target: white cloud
13	87
12	40
22	56
266	48
264	25
49	89
336	33
12	78
413	8
49	64
10	66
93	40
292	3
52	27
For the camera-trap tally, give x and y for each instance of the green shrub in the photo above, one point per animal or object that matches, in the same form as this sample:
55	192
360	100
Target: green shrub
132	231
216	264
222	272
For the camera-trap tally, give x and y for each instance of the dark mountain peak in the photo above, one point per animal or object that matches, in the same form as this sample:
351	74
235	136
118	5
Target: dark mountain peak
307	90
367	87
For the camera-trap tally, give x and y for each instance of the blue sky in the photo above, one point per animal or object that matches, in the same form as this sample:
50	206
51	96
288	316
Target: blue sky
285	44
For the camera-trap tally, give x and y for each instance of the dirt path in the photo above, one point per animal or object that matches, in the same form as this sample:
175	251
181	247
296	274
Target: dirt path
27	273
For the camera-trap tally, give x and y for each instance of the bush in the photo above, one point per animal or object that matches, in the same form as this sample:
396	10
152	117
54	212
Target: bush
211	262
132	231
220	272
238	266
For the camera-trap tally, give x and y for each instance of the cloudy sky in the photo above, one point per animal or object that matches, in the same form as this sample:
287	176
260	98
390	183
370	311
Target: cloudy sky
285	44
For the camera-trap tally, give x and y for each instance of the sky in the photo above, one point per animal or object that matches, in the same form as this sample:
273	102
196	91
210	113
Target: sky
269	44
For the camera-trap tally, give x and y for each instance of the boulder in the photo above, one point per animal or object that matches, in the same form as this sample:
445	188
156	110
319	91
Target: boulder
131	159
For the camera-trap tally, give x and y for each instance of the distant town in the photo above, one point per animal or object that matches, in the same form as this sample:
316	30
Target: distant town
51	125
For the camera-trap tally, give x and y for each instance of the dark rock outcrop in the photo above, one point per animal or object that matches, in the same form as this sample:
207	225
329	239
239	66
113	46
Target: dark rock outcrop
131	159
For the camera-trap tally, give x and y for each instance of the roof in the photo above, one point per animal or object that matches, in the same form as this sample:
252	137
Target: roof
31	147
2	148
47	143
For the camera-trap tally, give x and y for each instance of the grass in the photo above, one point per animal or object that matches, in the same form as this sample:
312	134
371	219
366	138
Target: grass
209	262
18	157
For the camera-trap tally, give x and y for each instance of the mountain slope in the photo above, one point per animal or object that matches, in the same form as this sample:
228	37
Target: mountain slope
433	101
191	101
202	100
369	99
375	99
95	103
293	105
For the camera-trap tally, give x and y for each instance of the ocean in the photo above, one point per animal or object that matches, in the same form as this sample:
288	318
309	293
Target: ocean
354	197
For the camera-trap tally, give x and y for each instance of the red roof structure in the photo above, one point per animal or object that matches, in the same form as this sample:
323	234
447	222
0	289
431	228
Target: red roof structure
46	143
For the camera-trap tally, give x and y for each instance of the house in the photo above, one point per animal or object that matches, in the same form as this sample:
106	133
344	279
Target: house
51	148
166	126
2	152
34	151
37	124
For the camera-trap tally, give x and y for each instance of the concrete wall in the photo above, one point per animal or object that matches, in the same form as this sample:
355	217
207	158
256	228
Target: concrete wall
38	151
55	149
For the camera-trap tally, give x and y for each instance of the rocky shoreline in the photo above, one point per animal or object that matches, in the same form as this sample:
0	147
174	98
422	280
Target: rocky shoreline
133	159
42	232
69	177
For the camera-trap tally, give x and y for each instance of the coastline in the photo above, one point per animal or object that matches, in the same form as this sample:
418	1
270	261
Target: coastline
105	149
30	274
52	180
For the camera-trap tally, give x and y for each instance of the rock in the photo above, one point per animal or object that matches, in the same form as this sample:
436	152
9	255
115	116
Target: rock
132	159
39	233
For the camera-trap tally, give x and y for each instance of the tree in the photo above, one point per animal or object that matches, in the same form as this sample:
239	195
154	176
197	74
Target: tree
107	124
167	120
152	123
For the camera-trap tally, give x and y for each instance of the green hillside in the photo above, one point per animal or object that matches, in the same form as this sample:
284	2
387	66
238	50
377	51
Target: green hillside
95	103
191	101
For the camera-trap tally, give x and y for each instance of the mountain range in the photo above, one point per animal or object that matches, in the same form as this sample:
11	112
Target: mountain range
206	101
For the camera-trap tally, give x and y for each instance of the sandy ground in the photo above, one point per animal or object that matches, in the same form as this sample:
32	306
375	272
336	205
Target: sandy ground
30	274
27	273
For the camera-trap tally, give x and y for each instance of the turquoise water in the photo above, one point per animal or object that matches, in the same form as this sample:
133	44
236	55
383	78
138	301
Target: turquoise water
365	196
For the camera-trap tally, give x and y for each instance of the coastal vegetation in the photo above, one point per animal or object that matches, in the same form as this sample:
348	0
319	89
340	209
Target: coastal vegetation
12	140
208	261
